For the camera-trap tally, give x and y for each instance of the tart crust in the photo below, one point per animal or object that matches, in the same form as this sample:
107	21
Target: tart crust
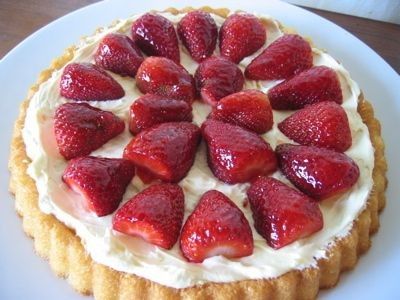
67	257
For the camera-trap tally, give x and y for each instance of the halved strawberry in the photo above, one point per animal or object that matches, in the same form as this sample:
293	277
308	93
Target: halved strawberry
287	56
80	128
88	82
315	85
281	214
317	172
249	109
216	227
241	35
100	181
236	154
323	124
155	214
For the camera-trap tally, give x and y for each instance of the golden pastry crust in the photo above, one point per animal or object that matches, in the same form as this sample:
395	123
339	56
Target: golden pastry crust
68	258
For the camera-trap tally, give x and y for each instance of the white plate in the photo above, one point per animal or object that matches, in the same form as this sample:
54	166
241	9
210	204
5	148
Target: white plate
24	275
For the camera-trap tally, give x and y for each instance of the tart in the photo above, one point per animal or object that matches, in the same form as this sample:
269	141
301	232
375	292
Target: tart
82	239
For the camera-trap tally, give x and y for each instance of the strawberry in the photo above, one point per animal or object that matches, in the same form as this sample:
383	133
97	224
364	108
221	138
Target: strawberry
323	124
217	77
156	36
317	172
281	214
315	85
287	56
161	76
149	110
80	128
88	82
119	54
249	109
241	35
165	151
100	181
236	154
155	214
216	227
198	33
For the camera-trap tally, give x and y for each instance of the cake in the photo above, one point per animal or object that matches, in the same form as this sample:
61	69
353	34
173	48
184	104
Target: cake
88	249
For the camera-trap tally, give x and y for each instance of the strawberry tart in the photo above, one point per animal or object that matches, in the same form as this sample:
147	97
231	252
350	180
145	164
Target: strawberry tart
198	154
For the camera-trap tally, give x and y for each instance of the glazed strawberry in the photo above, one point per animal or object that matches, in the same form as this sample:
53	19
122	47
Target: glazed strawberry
149	110
317	172
88	82
217	77
249	109
156	36
315	85
282	215
236	154
287	56
100	181
198	33
119	54
161	76
241	35
323	124
216	227
155	214
165	151
80	128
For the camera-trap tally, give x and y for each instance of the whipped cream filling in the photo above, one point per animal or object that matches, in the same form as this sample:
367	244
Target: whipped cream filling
169	267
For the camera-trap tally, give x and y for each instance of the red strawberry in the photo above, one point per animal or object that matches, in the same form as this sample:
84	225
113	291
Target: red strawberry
317	172
198	32
236	154
119	54
249	109
80	128
323	124
285	57
101	181
241	35
282	214
155	214
166	151
217	77
88	82
216	227
315	85
161	76
149	110
156	36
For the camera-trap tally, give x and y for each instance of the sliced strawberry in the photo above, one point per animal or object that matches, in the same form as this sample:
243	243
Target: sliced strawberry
217	77
101	181
241	35
161	76
88	82
236	154
155	214
166	151
216	227
80	128
323	124
317	172
287	56
315	85
156	36
281	214
198	33
119	54
249	109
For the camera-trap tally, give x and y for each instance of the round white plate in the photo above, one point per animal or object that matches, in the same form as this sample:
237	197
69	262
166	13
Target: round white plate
24	275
